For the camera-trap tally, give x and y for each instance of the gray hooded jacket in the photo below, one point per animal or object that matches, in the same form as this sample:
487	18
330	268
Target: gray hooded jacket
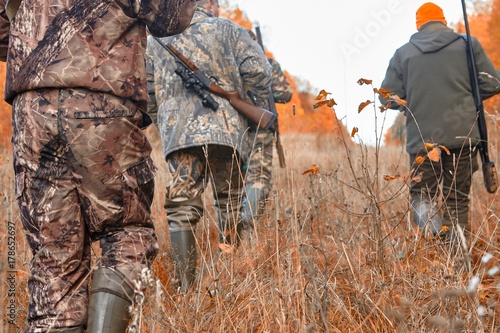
431	74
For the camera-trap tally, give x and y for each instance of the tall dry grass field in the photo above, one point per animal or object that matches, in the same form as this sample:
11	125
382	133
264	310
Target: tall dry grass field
336	251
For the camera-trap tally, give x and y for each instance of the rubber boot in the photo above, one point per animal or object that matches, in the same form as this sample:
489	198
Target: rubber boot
110	299
253	206
427	216
185	257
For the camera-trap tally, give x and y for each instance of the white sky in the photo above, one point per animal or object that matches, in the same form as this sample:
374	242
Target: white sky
333	43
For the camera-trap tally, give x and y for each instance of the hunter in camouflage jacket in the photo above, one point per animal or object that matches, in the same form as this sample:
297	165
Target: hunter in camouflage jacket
182	119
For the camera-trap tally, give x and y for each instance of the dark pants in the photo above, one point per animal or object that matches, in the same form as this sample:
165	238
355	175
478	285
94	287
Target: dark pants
448	180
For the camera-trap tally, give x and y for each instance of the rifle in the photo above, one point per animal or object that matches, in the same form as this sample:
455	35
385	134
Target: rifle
197	81
489	171
272	107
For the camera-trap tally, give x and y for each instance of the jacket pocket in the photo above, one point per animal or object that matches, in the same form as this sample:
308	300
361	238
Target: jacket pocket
138	192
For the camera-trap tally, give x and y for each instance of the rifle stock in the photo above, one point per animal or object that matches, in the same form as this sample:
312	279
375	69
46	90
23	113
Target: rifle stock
272	106
489	171
194	79
262	117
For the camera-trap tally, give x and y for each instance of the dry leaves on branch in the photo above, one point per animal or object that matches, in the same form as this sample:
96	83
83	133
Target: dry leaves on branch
434	151
385	93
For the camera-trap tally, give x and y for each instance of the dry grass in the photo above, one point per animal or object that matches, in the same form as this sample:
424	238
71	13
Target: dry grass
335	252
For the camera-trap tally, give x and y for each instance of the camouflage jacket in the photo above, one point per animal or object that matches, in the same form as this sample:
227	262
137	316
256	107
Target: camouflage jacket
227	54
96	45
282	90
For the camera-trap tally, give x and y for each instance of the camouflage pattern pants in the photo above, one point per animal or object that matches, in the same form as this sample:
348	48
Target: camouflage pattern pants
191	168
83	172
260	165
454	173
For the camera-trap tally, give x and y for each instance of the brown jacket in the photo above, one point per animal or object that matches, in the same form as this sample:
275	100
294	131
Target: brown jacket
95	45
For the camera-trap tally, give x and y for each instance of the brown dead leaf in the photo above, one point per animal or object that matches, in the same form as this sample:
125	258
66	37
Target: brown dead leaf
447	151
314	170
428	146
322	94
435	154
420	159
363	105
417	178
354	131
328	102
364	81
388	178
385	93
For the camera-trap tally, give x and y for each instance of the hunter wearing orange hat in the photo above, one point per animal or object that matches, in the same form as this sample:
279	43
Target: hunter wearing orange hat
431	73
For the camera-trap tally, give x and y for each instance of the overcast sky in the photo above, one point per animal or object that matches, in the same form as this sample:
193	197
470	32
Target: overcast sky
333	43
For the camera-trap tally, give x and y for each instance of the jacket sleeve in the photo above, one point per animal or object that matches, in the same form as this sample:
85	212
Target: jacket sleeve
393	81
254	67
281	88
488	76
164	17
4	32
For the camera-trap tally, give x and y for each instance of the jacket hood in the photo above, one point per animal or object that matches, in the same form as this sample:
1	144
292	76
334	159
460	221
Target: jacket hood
433	38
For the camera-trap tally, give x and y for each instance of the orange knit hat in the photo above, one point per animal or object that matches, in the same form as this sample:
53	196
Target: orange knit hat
429	12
